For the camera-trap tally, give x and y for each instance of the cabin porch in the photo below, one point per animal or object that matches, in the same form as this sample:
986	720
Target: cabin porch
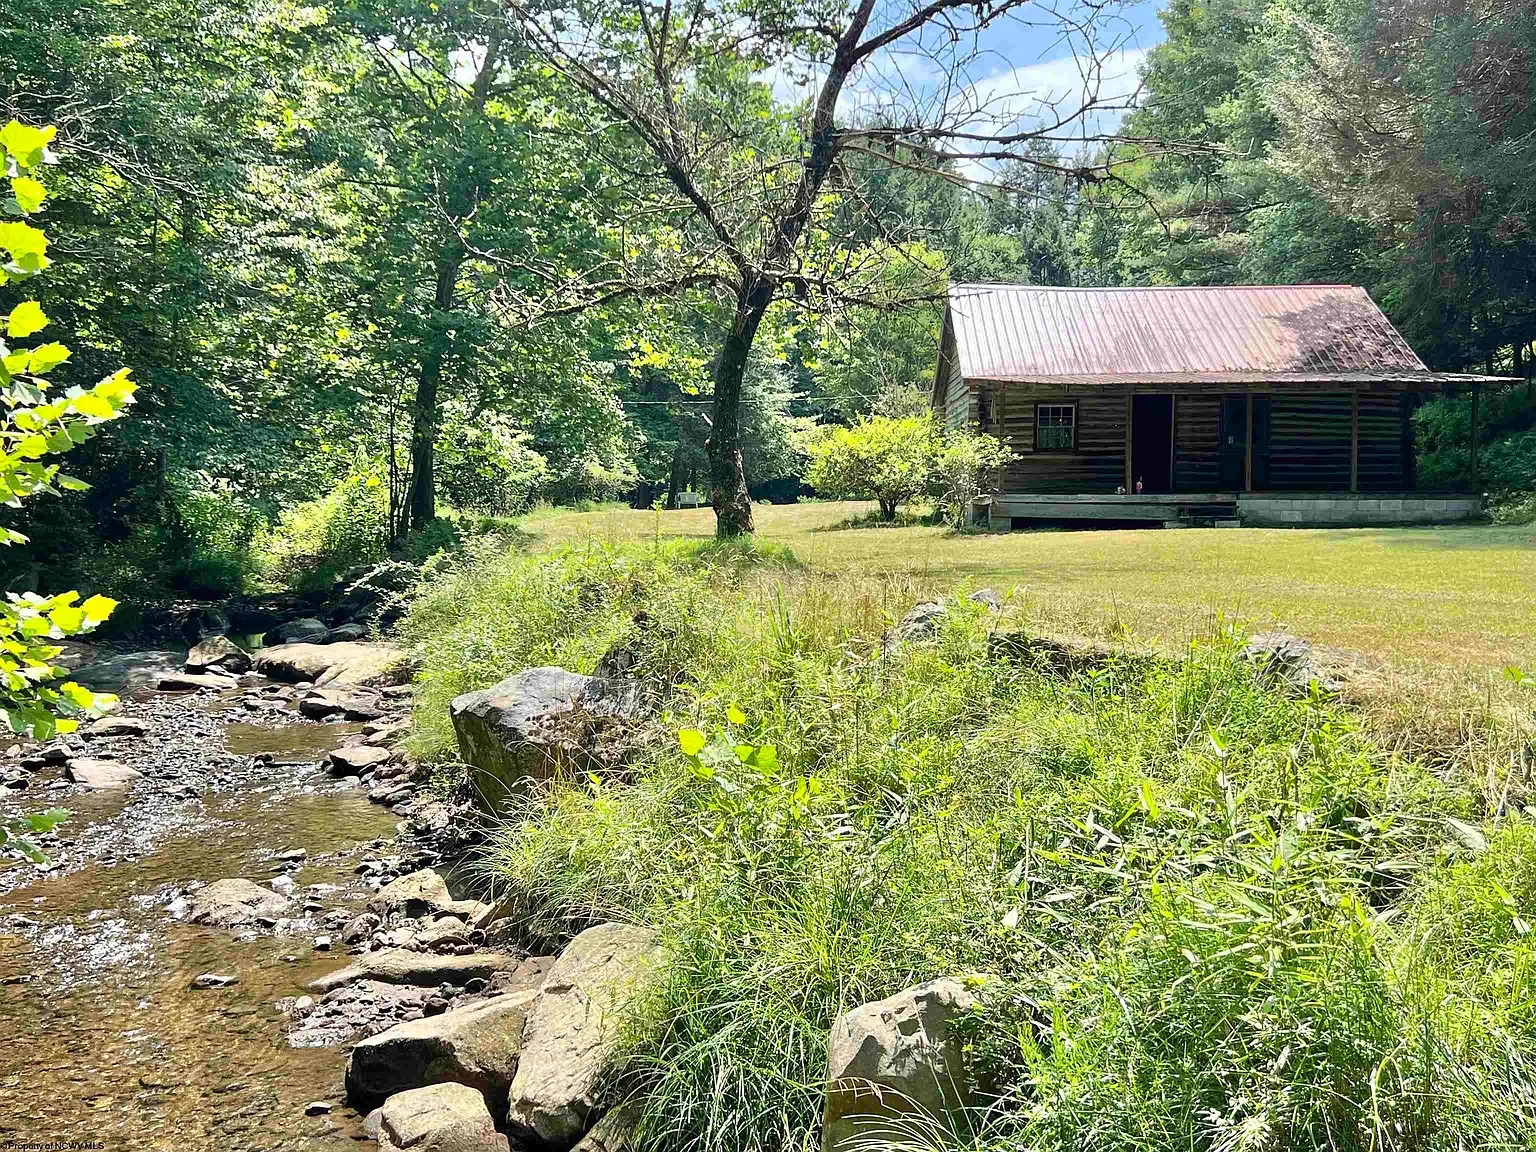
1232	509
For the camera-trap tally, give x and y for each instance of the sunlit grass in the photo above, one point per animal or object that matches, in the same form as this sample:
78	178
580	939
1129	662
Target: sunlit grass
1460	598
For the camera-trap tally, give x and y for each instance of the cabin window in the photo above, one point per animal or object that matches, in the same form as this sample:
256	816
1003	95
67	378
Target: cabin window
1055	427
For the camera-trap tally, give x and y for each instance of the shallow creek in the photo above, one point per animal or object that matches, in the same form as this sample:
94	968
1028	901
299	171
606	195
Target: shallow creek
102	1036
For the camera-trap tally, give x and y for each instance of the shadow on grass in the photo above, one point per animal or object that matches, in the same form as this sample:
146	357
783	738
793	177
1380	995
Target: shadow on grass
872	520
1452	537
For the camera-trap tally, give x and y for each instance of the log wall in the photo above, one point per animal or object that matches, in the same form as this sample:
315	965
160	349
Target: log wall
1308	440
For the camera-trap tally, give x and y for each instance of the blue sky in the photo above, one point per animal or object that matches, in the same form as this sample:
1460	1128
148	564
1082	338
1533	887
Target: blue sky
1037	65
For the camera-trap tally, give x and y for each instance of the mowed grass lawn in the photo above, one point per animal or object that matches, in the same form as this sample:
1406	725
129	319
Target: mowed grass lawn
1453	597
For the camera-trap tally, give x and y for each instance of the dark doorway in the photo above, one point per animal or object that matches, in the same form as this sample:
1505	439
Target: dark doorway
1152	443
1234	443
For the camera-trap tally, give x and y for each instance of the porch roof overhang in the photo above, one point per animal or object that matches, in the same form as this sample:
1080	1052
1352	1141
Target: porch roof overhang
1258	381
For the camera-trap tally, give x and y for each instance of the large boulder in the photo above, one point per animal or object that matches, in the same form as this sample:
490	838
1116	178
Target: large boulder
428	969
301	631
923	622
439	1118
1290	662
530	725
476	1045
98	774
572	1031
341	665
218	653
895	1067
235	903
129	672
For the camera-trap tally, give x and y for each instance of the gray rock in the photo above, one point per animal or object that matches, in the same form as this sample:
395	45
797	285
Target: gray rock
235	903
301	631
573	1029
195	681
214	980
426	969
318	1108
359	928
895	1067
424	893
346	664
477	1045
614	1132
118	726
529	725
923	621
323	703
356	759
218	652
129	672
98	774
1289	661
347	632
439	1118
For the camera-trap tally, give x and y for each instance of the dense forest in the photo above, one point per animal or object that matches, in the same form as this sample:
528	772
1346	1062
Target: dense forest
378	262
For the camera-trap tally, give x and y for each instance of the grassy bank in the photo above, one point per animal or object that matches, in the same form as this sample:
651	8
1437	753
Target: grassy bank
1213	916
1454	598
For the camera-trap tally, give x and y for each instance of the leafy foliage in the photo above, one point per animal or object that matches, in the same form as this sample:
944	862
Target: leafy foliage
882	458
891	459
38	424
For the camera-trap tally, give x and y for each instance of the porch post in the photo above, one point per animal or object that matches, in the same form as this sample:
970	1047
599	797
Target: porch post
1130	481
1476	395
1248	451
1354	440
1173	442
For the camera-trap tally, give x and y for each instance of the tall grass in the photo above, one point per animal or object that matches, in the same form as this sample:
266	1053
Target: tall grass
1202	914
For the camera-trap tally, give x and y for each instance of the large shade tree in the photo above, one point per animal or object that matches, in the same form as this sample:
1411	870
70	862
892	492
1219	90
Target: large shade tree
748	187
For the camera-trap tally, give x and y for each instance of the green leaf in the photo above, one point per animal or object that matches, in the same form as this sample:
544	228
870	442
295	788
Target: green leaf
24	242
46	820
735	715
27	145
46	357
692	741
25	319
98	608
29	193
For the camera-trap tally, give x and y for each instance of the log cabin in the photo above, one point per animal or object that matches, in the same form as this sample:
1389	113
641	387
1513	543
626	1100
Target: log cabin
1215	405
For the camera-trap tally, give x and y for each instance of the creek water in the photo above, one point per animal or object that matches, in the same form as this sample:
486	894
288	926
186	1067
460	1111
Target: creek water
103	1038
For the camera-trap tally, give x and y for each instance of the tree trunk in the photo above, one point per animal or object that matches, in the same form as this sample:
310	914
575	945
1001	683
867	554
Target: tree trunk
728	480
675	474
423	499
887	510
463	194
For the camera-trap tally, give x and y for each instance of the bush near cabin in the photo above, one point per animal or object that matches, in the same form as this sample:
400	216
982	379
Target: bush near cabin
894	459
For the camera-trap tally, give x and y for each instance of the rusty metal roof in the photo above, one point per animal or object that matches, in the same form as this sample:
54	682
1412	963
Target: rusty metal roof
1314	332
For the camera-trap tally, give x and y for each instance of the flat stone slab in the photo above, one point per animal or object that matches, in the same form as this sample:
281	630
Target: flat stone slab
95	773
234	903
118	726
573	1031
130	671
476	1045
401	966
345	664
357	758
193	681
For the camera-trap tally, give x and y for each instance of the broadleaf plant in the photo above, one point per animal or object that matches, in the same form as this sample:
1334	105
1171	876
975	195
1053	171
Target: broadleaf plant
38	422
